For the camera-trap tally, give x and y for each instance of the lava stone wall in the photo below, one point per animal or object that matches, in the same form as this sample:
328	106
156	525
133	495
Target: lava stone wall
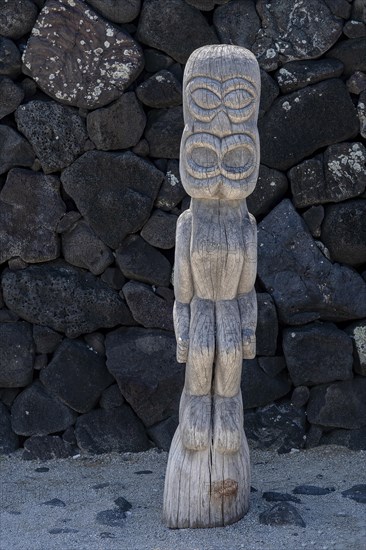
91	120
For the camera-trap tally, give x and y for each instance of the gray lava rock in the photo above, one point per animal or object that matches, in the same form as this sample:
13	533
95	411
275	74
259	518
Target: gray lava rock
361	111
118	11
269	92
340	8
354	29
357	493
273	496
271	187
160	229
260	387
324	112
76	375
114	192
81	247
356	83
351	53
46	447
56	133
171	191
345	170
17	17
278	427
317	353
161	90
111	397
282	514
64	298
118	126
67	221
11	95
14	150
37	412
114	278
308	184
300	396
102	60
303	283
152	392
156	60
162	433
16	354
164	132
115	430
140	261
339	405
9	441
357	331
30	209
344	231
10	60
148	309
237	22
46	340
279	39
159	23
313	218
313	490
267	325
298	74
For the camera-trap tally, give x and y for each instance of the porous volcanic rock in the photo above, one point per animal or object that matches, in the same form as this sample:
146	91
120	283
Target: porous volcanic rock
64	298
171	191
30	209
93	63
317	353
160	90
205	5
159	231
303	283
46	339
56	133
339	405
344	231
159	23
282	513
324	112
37	412
237	22
298	74
271	186
114	430
81	247
269	92
46	447
345	170
11	95
115	192
260	387
351	53
76	375
148	308
14	150
16	354
10	60
267	325
118	126
304	30
164	132
17	17
118	11
9	441
152	392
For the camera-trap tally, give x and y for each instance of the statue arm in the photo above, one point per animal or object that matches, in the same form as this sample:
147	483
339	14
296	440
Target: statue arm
247	298
183	285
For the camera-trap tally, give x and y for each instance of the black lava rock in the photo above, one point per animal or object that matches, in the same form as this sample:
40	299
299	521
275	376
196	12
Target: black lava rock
148	308
298	74
111	397
114	430
160	90
357	493
237	22
313	218
312	490
351	53
46	340
164	132
282	514
267	325
114	192
305	286
140	261
118	11
317	353
269	92
118	126
324	112
64	298
11	95
339	405
14	150
10	60
16	354
273	496
300	396
46	447
171	191
271	187
17	18
9	441
162	433
37	412
357	331
159	231
76	375
153	393
260	386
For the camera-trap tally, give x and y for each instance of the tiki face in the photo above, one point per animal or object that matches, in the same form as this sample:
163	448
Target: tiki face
220	145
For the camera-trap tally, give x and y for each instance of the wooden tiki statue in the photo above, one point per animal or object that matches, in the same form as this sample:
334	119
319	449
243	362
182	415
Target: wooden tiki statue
215	314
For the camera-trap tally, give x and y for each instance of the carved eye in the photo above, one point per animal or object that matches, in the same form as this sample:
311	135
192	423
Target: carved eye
205	157
237	158
206	99
238	99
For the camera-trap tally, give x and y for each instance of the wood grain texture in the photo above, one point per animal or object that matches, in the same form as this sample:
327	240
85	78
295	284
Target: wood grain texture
215	314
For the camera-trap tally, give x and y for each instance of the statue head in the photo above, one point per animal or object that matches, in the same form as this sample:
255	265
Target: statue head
219	157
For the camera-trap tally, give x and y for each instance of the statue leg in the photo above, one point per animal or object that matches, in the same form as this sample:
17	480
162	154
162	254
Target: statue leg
195	405
227	403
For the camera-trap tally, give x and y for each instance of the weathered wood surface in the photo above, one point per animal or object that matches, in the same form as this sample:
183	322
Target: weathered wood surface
215	313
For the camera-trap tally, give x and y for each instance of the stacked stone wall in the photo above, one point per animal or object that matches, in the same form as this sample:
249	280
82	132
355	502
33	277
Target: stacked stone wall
90	192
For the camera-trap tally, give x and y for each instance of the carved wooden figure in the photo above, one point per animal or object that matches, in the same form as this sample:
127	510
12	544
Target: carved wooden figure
215	313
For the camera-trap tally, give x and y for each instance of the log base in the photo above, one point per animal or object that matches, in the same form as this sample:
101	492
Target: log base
205	488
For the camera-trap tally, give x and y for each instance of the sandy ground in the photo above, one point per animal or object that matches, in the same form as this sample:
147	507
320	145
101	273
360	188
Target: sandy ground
89	485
